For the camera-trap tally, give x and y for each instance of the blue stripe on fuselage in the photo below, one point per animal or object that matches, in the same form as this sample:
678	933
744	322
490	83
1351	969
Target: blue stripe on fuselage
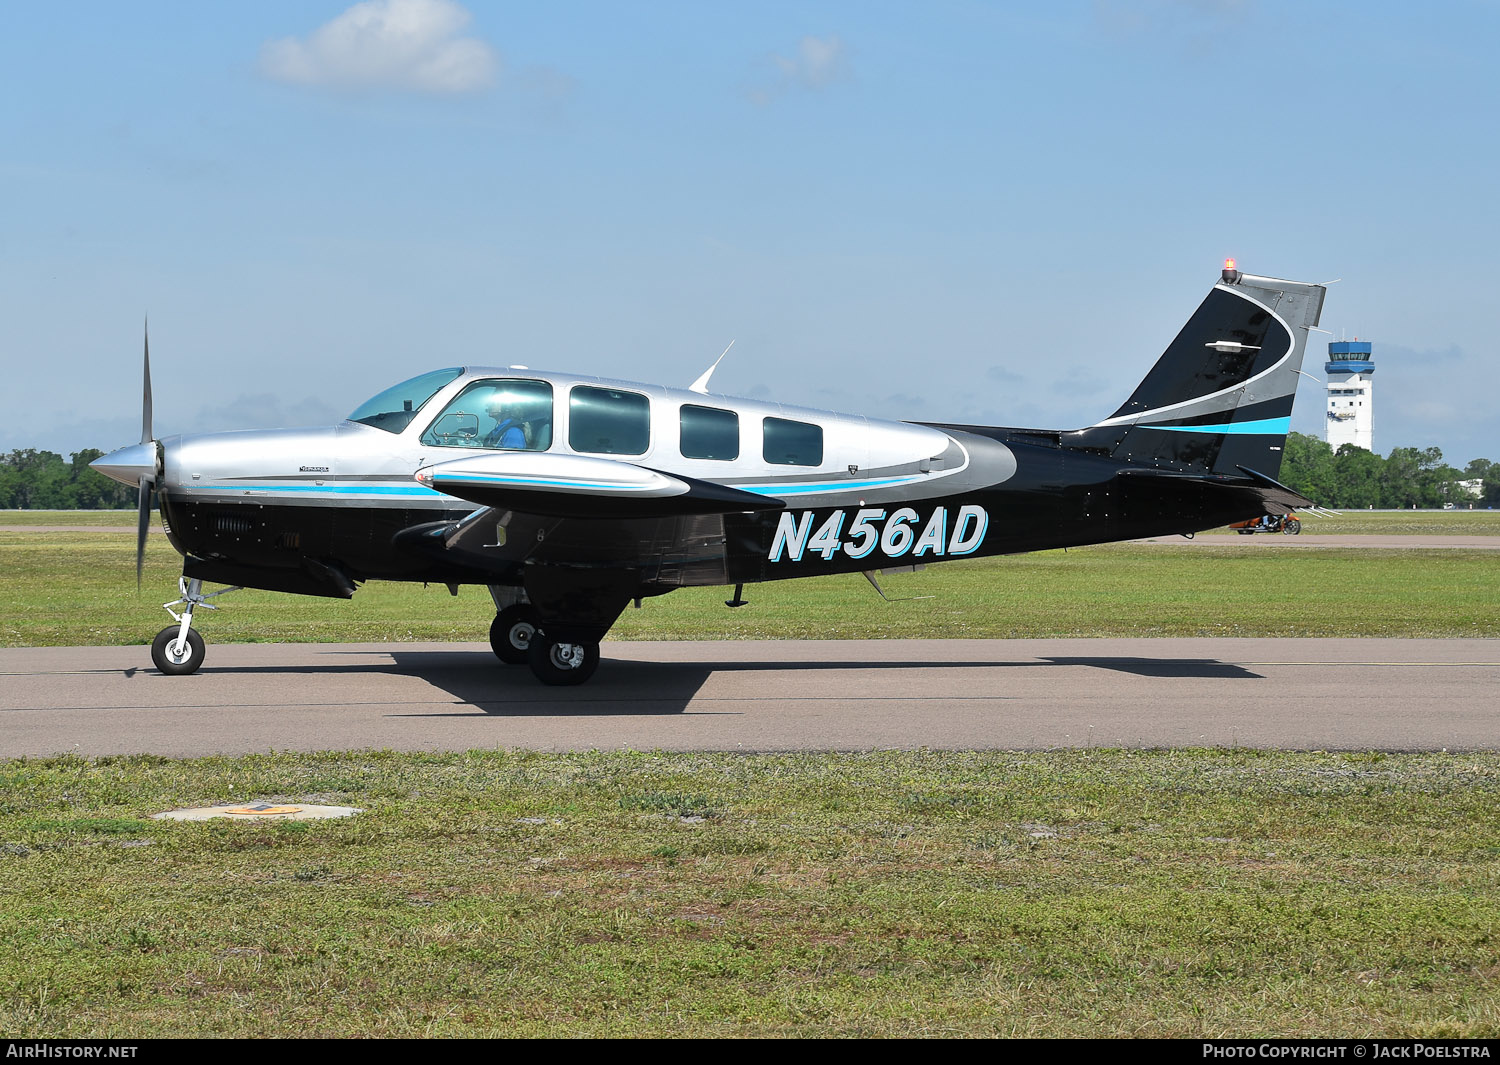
792	488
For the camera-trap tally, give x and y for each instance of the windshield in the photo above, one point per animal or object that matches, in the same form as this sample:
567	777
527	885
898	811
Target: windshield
394	408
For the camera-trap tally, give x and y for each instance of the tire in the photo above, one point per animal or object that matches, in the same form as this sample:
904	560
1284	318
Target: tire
1245	532
511	633
177	665
1293	528
561	664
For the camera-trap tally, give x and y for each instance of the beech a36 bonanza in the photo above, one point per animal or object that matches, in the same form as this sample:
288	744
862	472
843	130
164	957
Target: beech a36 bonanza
569	497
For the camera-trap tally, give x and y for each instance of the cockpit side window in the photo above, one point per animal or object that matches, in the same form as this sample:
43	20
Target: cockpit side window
510	414
607	421
394	408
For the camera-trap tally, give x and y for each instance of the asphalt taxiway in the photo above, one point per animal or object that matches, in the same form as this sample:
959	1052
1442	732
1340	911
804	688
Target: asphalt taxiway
1330	694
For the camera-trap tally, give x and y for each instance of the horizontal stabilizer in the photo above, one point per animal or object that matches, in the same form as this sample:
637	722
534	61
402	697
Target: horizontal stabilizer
1273	491
1273	496
572	486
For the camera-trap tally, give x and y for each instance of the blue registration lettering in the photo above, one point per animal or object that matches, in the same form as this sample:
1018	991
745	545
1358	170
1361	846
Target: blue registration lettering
791	536
968	530
898	535
935	535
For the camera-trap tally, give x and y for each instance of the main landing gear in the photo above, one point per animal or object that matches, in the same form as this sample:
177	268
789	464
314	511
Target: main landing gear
511	633
517	639
178	649
558	663
519	636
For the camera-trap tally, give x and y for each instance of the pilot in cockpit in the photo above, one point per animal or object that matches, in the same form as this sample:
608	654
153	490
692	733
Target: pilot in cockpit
509	432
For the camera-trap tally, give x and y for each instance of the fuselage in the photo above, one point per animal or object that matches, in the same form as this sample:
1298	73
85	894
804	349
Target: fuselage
316	510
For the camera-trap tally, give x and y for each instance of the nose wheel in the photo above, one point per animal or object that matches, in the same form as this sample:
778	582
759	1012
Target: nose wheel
176	656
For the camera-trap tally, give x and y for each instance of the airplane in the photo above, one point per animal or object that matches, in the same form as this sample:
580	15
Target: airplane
571	496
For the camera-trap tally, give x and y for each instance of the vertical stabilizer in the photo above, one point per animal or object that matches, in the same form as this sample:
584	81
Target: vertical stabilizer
1220	397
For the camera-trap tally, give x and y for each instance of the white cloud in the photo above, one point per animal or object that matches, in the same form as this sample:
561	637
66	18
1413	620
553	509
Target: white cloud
817	63
404	44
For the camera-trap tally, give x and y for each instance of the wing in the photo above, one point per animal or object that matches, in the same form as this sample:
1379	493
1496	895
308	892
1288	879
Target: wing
572	486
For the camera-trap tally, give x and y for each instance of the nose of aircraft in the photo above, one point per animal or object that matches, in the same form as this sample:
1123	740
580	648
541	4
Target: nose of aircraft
129	464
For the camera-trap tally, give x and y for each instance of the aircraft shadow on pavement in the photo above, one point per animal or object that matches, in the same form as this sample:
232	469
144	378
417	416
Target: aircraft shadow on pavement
1199	668
485	687
620	687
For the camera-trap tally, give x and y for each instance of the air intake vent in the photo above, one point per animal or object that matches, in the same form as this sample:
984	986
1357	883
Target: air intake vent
232	524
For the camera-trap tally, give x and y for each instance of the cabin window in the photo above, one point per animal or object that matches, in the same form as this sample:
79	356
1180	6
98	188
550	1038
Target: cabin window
394	408
789	443
512	414
709	433
606	421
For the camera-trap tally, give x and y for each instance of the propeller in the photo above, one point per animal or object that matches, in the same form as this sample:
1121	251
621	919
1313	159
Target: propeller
138	464
147	481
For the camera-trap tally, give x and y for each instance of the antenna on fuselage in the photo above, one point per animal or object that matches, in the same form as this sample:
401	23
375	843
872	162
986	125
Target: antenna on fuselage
869	575
701	385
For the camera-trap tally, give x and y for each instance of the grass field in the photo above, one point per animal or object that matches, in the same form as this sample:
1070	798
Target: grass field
1199	893
78	588
1070	893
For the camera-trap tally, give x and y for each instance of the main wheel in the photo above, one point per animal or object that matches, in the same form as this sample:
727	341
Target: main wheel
175	661
561	663
511	633
1293	528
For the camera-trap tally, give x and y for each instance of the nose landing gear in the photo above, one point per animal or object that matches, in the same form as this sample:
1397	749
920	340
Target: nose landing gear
178	649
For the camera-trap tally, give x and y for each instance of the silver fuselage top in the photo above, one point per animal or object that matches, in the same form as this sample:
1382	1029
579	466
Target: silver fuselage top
575	421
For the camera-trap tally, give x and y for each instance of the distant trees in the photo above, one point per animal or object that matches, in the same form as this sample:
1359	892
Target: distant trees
1357	479
44	480
1487	472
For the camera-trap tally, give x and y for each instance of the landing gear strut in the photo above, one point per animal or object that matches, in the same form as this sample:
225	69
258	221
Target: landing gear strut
178	649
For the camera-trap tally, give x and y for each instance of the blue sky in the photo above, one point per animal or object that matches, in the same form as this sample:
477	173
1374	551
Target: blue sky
948	210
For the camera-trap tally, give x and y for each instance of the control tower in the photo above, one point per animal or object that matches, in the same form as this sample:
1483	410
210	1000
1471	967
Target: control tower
1351	384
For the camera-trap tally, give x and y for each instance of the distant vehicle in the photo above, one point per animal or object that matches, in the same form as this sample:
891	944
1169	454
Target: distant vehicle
1289	524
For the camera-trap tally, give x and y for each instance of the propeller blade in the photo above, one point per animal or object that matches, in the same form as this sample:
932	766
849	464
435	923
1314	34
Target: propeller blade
146	392
143	525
